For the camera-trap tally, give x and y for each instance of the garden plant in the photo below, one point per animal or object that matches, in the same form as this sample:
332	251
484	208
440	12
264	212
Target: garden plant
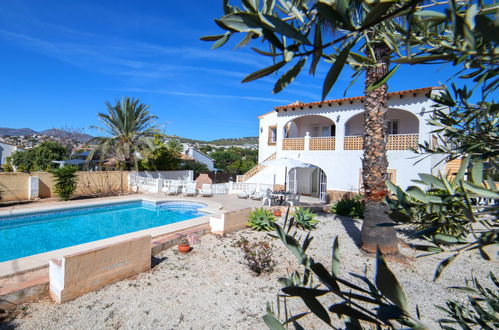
459	33
66	180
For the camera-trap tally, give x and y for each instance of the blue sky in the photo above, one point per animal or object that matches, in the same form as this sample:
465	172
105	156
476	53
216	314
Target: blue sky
61	60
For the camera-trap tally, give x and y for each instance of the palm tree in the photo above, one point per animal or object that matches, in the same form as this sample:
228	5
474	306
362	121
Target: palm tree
130	131
376	231
356	23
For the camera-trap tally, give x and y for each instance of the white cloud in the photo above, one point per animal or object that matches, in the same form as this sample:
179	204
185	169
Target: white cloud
204	95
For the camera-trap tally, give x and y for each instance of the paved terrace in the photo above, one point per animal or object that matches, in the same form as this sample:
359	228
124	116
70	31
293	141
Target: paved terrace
228	202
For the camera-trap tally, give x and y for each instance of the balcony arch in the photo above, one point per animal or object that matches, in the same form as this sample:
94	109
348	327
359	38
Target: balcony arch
315	125
403	130
312	132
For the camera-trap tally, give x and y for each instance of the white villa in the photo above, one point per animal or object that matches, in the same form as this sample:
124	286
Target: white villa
329	135
194	154
6	150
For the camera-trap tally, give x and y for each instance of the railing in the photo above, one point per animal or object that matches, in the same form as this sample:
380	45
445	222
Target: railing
394	142
352	143
402	141
293	144
254	170
322	143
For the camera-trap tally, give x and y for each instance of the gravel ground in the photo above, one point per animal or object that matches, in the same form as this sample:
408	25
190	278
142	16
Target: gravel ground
211	288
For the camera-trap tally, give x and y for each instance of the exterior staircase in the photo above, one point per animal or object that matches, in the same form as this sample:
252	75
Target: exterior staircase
255	169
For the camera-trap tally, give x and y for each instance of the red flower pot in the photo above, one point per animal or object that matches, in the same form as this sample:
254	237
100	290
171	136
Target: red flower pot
277	212
184	248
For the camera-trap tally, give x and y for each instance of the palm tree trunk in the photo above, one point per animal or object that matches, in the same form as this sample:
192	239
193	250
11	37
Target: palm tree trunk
377	230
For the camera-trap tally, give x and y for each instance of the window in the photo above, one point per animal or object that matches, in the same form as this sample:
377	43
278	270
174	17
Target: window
392	176
272	139
393	126
315	131
326	131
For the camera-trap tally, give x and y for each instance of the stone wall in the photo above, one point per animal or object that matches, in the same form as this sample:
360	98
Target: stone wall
14	186
86	271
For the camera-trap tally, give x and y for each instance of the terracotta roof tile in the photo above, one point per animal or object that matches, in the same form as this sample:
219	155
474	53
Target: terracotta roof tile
329	102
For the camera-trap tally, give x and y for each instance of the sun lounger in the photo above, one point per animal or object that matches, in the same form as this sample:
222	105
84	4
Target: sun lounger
172	190
257	195
246	194
206	190
190	190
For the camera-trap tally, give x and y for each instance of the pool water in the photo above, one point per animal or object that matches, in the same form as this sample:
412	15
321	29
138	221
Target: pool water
25	235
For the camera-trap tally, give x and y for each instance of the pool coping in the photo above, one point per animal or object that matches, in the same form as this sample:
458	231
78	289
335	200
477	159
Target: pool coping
34	262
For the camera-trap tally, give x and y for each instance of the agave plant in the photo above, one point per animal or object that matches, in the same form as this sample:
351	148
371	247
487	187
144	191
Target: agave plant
304	218
261	219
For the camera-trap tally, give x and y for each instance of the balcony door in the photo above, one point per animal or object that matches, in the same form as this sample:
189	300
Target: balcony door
292	180
322	186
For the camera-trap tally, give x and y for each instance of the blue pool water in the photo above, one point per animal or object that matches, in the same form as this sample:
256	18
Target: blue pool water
34	233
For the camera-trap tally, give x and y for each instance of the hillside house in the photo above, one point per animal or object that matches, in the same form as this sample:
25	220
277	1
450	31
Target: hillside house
329	135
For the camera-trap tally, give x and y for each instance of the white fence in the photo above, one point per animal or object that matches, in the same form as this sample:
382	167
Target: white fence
169	175
239	187
220	188
152	185
143	184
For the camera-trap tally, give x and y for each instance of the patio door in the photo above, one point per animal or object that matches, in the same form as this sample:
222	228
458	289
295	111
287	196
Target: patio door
292	180
315	183
322	186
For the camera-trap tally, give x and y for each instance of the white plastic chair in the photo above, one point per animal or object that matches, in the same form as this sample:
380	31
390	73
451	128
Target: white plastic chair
293	200
267	197
206	190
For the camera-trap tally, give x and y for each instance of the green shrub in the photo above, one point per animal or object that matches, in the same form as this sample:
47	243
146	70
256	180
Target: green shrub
350	207
304	219
258	256
65	181
261	219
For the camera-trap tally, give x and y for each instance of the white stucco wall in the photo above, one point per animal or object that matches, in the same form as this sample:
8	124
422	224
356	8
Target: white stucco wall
6	150
202	158
264	149
343	168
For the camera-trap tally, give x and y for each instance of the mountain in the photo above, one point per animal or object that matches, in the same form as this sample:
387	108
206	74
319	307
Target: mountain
224	142
80	137
236	141
5	131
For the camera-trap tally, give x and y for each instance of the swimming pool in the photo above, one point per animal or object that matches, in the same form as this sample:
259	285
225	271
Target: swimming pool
37	232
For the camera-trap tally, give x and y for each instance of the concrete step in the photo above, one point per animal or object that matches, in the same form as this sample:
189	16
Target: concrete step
23	288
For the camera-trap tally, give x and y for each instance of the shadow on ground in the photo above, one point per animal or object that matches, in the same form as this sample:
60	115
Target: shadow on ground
350	227
156	261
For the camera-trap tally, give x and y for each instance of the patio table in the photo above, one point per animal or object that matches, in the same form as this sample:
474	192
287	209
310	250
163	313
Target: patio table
280	195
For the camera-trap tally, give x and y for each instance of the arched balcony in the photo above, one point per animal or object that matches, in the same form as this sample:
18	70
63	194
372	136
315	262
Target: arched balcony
309	133
403	131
